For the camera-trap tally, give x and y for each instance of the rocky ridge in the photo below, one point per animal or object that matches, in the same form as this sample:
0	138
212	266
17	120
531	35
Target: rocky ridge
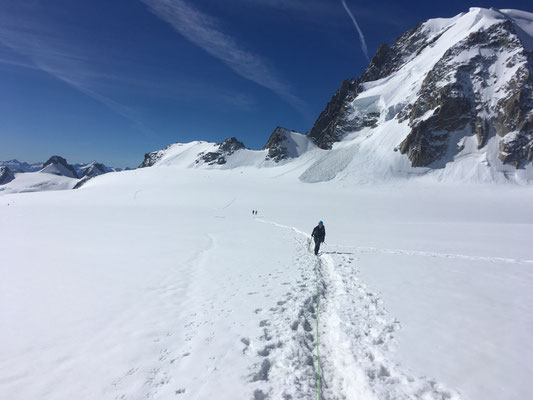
459	102
225	149
6	175
90	171
57	165
277	145
480	85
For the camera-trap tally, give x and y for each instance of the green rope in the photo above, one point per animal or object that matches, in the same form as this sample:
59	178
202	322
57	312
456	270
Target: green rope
317	341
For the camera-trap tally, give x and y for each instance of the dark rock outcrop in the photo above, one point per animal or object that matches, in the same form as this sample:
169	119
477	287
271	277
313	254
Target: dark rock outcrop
517	149
81	168
457	105
6	175
91	171
82	182
225	149
328	128
94	169
153	157
276	145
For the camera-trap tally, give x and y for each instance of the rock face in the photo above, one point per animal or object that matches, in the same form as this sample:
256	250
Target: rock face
58	165
82	182
89	171
334	122
225	149
153	157
459	102
93	169
330	125
479	85
276	145
6	175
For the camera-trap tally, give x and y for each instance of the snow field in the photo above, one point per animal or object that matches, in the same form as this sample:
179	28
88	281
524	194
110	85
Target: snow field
158	283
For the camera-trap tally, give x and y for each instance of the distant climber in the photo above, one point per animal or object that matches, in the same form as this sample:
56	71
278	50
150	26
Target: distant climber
318	235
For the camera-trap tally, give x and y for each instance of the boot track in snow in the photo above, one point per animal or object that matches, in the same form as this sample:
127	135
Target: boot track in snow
331	338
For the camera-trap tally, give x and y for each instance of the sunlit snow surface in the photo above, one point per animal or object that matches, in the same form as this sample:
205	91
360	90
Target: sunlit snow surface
36	182
158	283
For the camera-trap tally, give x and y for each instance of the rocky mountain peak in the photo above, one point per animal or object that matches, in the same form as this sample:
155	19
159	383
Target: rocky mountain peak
225	149
6	175
448	80
58	165
455	94
276	145
93	169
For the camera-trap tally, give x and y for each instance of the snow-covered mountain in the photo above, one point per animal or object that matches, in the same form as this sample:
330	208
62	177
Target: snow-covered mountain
58	166
18	166
450	100
55	174
451	96
284	144
283	147
80	168
93	169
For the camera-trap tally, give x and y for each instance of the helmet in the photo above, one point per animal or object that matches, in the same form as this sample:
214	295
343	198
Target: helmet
320	223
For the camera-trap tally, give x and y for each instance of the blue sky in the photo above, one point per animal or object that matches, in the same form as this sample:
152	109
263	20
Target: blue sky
110	80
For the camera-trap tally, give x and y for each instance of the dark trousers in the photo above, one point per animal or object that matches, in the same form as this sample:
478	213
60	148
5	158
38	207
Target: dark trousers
317	246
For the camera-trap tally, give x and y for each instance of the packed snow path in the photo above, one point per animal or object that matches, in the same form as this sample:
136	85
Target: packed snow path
355	338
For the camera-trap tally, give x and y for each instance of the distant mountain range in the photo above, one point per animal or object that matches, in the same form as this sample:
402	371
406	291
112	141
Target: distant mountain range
81	169
18	166
54	174
452	99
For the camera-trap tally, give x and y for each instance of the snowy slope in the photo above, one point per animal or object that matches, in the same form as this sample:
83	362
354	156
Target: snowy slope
177	291
57	169
189	155
37	181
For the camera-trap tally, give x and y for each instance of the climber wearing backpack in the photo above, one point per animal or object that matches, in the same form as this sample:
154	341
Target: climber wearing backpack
318	235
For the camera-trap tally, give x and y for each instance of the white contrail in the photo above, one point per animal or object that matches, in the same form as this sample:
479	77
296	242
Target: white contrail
203	30
361	36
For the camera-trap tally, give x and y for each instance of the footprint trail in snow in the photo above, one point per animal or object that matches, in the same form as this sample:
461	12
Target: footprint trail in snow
356	338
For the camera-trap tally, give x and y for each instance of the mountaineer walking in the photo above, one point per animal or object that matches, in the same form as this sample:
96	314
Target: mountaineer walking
318	235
